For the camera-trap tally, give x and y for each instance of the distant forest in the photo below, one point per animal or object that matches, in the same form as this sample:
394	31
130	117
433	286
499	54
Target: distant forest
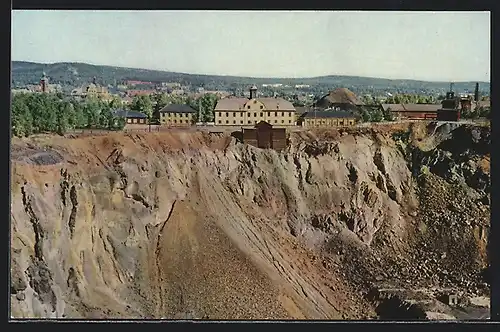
75	74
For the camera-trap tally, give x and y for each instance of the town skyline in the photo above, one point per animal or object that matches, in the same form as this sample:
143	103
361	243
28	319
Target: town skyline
292	43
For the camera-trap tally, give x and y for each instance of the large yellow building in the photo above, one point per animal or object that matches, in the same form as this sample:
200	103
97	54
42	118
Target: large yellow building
92	90
233	111
177	115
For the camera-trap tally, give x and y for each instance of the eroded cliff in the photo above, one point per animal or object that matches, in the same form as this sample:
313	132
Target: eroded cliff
191	225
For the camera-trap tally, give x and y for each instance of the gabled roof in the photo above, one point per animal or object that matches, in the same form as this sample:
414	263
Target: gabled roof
177	108
263	124
122	113
271	104
329	114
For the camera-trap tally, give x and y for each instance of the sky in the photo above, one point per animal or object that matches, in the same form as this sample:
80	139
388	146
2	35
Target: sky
436	46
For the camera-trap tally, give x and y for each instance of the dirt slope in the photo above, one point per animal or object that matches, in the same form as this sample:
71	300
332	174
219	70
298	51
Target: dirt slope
189	225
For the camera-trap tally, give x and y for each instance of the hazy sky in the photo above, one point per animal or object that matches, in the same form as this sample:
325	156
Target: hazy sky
443	46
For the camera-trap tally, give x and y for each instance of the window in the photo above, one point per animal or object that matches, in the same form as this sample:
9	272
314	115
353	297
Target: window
289	121
282	113
227	121
275	121
282	121
275	113
220	121
261	107
289	114
268	113
234	114
248	107
249	122
255	115
175	121
255	101
227	114
234	121
220	113
241	121
249	115
129	120
261	114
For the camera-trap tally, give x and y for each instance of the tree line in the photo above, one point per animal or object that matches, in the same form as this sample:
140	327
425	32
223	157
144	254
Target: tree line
34	113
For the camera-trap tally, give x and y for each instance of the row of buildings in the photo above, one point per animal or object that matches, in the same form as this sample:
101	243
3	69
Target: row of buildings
248	112
337	109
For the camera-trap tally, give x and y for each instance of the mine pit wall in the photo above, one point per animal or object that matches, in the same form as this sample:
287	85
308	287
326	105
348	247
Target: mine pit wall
84	237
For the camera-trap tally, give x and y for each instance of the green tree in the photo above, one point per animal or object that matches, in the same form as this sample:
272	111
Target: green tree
365	115
44	109
377	116
161	100
387	115
207	104
21	121
143	105
80	118
91	111
63	122
115	103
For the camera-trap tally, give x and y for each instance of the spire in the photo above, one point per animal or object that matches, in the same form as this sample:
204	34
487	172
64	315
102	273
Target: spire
253	92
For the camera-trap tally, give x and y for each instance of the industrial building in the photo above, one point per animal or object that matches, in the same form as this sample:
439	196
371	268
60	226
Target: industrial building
264	136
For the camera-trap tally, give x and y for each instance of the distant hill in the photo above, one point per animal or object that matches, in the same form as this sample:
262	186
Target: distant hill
74	74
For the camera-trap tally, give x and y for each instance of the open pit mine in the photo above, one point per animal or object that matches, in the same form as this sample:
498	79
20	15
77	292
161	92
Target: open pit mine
388	222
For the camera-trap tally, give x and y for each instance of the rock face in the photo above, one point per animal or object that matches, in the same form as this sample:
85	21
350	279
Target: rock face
188	225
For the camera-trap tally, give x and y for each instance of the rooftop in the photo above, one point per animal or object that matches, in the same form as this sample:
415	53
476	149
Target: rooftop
122	113
411	107
177	108
271	104
329	114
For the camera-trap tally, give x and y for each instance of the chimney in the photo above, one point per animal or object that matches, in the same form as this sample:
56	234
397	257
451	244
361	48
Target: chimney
476	92
43	83
253	92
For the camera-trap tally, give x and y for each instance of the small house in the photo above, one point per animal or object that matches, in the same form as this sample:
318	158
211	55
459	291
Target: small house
132	117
